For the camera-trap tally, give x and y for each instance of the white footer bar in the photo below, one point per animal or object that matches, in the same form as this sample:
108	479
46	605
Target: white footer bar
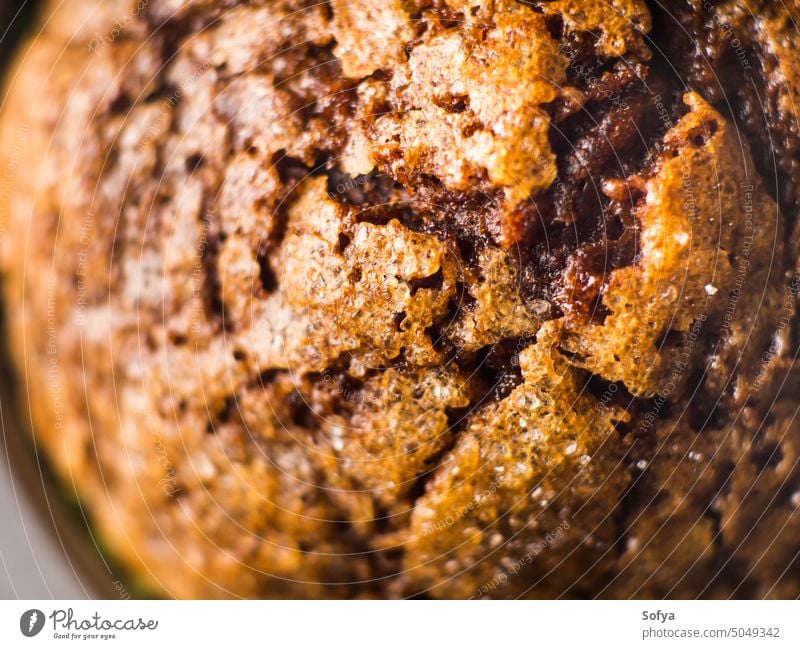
389	625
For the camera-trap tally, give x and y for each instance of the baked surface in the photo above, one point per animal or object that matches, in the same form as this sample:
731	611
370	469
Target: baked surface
388	298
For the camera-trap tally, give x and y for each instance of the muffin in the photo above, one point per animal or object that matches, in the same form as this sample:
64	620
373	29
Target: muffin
414	298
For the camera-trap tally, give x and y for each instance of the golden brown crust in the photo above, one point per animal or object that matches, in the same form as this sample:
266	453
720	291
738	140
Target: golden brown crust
387	298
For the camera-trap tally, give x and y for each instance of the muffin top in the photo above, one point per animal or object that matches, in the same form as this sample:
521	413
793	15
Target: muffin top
387	298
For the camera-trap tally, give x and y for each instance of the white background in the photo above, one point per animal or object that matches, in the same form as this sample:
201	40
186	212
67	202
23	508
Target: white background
423	624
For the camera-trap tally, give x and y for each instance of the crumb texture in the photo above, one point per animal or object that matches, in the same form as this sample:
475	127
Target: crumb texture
400	298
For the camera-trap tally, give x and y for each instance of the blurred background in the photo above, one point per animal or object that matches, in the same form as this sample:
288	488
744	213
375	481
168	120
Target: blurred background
44	549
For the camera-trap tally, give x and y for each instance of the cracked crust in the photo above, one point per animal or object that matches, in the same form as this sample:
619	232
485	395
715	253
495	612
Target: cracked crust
464	299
